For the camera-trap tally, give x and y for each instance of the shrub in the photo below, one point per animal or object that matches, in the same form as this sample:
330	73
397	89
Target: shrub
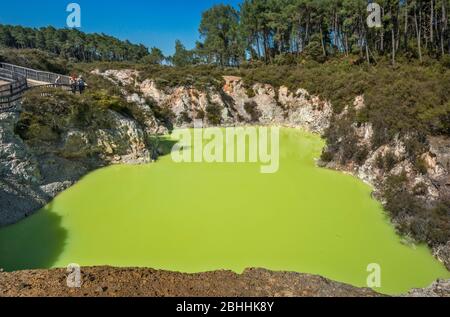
200	115
314	51
399	202
415	145
349	146
326	156
379	161
185	118
390	160
165	115
387	161
445	61
214	114
420	189
252	109
286	59
430	225
420	165
250	92
361	154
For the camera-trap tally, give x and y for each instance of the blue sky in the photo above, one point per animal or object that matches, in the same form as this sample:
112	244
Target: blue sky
151	22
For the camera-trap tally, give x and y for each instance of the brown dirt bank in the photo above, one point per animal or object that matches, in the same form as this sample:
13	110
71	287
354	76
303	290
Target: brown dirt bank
118	282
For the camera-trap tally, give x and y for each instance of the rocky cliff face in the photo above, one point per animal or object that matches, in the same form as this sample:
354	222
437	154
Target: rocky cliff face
234	104
430	185
39	163
435	179
19	173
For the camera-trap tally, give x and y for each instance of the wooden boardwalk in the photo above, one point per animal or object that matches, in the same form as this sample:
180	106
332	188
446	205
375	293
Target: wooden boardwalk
15	80
36	83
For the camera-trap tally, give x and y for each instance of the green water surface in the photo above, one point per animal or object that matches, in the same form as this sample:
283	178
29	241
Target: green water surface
200	217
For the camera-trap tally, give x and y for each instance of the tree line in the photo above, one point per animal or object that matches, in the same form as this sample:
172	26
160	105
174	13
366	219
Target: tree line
270	31
71	44
276	31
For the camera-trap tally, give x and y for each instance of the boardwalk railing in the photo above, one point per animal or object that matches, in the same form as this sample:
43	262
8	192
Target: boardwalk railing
18	77
13	91
36	75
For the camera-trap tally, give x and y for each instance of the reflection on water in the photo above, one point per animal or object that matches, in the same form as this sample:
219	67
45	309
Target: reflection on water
34	243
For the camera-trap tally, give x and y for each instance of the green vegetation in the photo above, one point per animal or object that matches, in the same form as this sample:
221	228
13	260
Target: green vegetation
164	114
387	161
200	77
279	32
283	32
429	225
214	113
156	57
412	100
252	109
36	59
182	56
47	113
71	44
220	29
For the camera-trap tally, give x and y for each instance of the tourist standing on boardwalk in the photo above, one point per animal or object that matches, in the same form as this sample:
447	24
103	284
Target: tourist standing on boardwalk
73	84
81	84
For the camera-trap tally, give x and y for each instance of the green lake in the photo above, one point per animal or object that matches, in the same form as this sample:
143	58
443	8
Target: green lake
196	217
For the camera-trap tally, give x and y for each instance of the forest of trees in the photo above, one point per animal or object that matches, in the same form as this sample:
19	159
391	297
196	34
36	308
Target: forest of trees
271	31
276	31
71	44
